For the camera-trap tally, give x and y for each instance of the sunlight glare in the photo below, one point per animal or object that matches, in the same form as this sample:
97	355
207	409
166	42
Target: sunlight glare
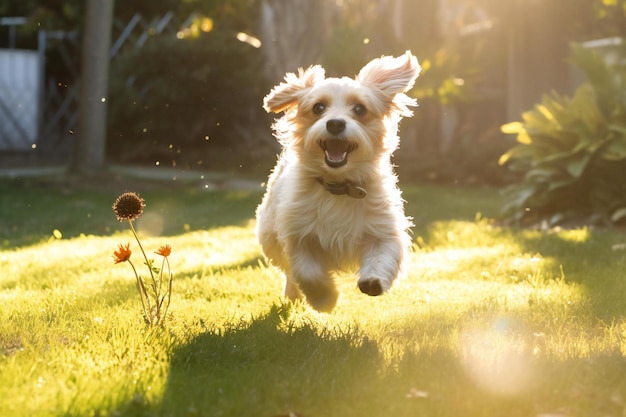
498	359
206	24
575	235
249	39
150	224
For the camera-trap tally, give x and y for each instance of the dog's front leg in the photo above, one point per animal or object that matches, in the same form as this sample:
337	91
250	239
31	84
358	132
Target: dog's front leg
312	277
380	266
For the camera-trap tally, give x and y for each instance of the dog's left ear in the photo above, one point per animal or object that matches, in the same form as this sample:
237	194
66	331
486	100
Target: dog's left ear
392	76
287	94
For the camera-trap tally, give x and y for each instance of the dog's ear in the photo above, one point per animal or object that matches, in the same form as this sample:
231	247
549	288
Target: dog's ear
391	75
286	94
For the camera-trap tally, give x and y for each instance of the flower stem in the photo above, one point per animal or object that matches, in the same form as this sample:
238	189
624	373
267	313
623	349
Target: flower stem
132	228
145	300
168	293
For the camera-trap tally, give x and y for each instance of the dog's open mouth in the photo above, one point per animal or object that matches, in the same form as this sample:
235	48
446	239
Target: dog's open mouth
336	151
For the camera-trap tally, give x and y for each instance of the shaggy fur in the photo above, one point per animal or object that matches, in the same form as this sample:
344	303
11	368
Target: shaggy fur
332	203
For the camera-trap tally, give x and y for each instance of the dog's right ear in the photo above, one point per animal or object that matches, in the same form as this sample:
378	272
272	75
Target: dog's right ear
286	95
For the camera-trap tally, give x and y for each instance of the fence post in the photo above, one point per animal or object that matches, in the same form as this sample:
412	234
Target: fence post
90	149
42	45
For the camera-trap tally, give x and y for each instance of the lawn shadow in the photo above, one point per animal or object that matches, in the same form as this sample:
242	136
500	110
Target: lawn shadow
31	212
273	365
283	365
594	263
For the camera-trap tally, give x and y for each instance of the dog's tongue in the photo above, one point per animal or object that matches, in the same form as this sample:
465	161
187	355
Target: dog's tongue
336	150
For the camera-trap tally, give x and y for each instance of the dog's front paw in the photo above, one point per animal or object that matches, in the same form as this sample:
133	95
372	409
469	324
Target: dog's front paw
371	286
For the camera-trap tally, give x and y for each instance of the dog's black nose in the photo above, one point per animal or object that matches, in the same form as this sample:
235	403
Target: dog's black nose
335	126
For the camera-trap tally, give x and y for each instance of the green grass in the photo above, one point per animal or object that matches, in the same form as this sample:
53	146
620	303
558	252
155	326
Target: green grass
489	321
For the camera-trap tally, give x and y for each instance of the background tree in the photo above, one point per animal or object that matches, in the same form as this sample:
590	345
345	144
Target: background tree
90	148
294	33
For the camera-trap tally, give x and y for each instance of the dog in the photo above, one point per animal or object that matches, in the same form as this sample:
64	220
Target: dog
332	202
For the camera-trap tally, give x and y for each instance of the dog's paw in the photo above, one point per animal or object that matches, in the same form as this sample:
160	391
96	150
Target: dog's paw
321	295
323	304
371	286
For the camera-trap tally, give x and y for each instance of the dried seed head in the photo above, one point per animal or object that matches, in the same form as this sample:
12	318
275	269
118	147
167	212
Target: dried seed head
128	206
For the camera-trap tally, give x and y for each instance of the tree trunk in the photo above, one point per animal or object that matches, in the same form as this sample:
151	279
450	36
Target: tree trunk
89	154
294	33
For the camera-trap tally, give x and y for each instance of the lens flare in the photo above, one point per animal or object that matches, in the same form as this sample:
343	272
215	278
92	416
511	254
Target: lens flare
499	359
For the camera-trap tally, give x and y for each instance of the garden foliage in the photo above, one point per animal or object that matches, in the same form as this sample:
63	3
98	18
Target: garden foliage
572	151
186	100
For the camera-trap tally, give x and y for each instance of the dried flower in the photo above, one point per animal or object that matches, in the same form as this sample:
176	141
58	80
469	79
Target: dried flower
122	254
164	250
128	206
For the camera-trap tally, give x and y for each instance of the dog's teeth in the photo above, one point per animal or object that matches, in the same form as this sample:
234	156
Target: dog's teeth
336	157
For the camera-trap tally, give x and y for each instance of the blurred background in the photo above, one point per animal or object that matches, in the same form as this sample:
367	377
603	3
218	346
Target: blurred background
186	78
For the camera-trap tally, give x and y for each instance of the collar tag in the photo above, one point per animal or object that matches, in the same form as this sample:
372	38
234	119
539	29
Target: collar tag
355	191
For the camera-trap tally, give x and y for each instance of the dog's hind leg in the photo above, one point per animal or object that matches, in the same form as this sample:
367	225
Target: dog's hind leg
291	289
312	279
320	293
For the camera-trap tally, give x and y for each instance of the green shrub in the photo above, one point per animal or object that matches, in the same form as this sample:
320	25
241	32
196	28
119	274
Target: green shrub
195	100
572	151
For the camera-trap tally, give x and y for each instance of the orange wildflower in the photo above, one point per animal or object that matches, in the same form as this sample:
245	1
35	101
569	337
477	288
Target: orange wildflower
164	250
122	254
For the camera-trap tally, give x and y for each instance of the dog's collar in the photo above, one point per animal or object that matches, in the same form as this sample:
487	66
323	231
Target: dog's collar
343	188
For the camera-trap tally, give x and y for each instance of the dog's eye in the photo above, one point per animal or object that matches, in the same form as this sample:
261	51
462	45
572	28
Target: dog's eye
359	110
319	108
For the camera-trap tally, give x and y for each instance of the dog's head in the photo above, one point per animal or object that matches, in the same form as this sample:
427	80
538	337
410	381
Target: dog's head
340	124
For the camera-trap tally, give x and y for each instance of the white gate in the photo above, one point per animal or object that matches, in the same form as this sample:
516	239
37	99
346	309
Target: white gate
19	99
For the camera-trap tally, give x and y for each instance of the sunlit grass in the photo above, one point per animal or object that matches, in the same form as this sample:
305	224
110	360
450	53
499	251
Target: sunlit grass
488	321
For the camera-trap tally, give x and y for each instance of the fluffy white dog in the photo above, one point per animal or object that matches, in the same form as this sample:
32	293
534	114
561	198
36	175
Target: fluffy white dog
332	203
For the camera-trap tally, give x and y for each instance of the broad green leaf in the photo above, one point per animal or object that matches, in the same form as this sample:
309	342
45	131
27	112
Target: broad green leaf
512	128
617	128
584	104
517	152
520	195
549	141
523	137
615	150
545	110
559	158
584	145
598	74
557	185
567	138
544	174
577	166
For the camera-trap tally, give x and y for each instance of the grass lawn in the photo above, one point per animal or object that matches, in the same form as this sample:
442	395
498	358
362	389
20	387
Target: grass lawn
489	322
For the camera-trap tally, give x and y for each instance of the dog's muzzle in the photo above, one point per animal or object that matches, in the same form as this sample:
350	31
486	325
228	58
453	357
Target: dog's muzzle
336	149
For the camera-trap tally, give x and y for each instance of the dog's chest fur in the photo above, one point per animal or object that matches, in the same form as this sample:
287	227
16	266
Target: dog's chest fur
306	213
336	220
